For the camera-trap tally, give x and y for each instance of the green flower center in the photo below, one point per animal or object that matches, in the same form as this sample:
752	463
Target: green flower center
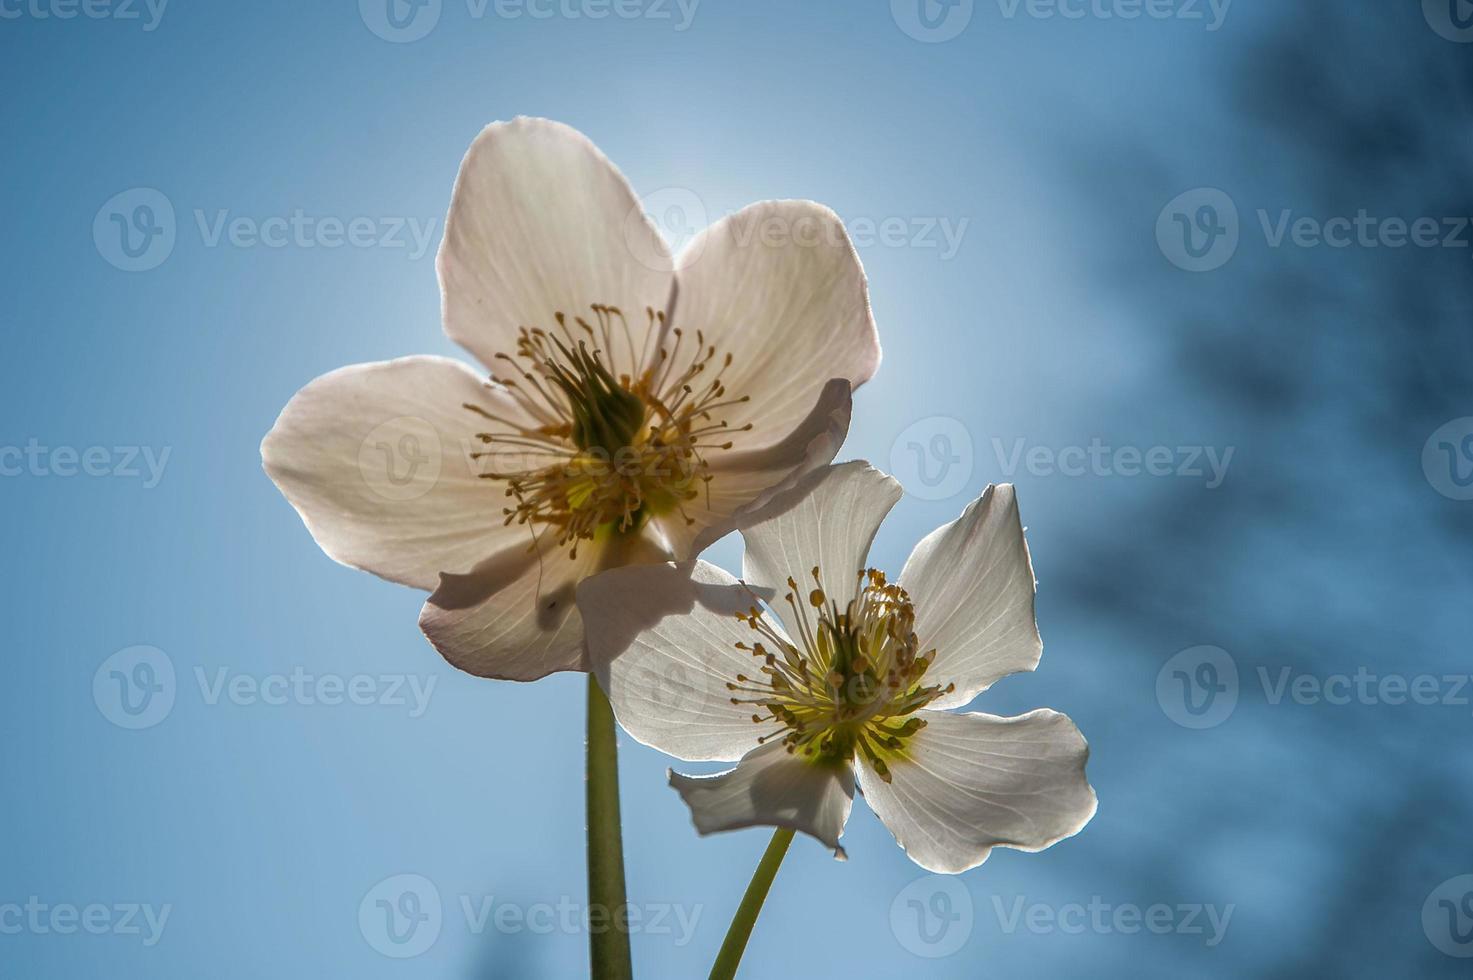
851	680
605	449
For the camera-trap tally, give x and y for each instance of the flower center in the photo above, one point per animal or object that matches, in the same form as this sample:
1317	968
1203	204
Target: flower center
850	682
616	435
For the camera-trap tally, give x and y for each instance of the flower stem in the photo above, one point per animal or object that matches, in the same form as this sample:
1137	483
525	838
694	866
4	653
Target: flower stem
608	931
746	914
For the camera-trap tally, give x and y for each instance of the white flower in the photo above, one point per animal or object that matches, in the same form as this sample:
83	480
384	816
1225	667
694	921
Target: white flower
852	673
614	428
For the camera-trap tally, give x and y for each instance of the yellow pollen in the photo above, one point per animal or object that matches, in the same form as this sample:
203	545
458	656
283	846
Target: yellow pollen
851	681
614	432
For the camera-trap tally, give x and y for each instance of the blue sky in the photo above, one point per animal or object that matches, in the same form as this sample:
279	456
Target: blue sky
1228	445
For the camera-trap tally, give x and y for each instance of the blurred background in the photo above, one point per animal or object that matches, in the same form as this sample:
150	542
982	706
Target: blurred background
1194	275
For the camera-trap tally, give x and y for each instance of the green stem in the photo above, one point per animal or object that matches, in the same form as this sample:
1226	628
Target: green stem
608	932
746	914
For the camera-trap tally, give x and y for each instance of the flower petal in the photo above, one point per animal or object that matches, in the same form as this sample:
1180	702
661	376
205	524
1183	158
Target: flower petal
661	640
374	459
542	222
973	782
972	585
827	519
513	617
779	287
741	481
771	788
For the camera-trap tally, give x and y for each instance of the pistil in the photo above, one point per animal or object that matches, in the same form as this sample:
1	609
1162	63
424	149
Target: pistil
605	447
850	682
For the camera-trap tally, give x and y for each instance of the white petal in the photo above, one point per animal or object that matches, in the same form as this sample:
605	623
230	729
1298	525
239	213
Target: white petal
779	287
972	585
974	782
770	788
661	640
542	222
827	519
746	480
514	616
374	458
